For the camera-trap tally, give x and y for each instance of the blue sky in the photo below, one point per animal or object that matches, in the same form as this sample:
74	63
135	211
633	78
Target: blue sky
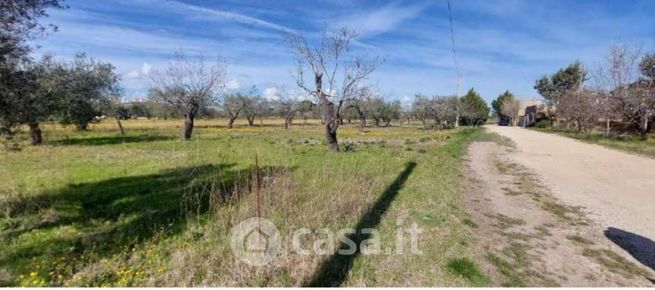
501	44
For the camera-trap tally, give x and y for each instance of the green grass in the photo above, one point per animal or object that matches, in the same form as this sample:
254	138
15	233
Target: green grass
96	209
614	262
469	270
631	144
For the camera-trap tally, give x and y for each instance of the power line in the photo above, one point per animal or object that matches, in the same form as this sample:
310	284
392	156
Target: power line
452	39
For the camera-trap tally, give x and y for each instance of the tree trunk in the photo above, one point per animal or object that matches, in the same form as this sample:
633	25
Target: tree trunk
331	135
644	129
457	120
189	117
607	127
304	121
362	123
120	126
288	119
251	120
35	132
230	123
332	122
362	119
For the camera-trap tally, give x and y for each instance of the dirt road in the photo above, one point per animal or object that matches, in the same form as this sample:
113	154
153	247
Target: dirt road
616	188
554	211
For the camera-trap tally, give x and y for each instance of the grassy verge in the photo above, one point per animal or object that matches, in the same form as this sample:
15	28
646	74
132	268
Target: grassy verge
96	209
628	144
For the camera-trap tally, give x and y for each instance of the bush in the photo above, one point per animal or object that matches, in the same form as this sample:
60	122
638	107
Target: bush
544	123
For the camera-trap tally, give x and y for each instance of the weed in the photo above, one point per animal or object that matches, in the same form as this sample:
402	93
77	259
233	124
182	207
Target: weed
469	223
614	262
579	240
467	269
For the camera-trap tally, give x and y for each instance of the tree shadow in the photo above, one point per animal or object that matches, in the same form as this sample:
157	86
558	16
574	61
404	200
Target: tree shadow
111	140
640	247
109	216
335	269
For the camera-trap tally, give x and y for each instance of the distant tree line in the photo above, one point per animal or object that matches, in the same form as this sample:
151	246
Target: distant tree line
440	112
621	91
615	97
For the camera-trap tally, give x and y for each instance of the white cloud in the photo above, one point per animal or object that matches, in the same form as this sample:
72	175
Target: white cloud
272	93
146	68
241	18
140	73
380	20
132	74
232	85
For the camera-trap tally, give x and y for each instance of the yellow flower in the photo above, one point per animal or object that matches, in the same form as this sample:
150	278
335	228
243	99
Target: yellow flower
32	274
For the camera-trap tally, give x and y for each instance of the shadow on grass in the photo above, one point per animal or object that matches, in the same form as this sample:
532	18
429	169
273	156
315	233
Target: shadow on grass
640	247
334	271
104	218
111	140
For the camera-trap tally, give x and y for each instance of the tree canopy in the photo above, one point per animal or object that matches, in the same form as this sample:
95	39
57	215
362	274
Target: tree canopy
497	104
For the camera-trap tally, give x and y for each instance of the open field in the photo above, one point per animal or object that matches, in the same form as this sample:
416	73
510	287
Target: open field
628	144
95	208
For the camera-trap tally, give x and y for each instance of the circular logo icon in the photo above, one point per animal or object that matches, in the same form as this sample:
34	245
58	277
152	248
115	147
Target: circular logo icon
255	241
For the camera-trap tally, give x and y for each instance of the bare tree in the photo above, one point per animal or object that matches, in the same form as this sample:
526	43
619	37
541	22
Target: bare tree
581	107
286	106
443	110
188	84
510	108
336	74
629	95
359	103
254	106
421	109
233	104
614	78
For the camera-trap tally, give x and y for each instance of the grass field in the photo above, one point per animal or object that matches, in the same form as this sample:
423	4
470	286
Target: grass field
97	209
631	144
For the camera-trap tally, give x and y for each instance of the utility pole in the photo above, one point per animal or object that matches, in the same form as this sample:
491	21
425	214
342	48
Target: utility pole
457	103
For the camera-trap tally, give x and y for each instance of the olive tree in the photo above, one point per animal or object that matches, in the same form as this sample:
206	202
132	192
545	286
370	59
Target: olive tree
19	23
360	104
188	84
286	106
233	105
86	87
306	109
336	73
421	109
254	106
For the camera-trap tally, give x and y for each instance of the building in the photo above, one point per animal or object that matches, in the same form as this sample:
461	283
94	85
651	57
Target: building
531	111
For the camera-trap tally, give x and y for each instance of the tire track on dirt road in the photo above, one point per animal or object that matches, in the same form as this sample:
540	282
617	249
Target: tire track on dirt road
531	235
